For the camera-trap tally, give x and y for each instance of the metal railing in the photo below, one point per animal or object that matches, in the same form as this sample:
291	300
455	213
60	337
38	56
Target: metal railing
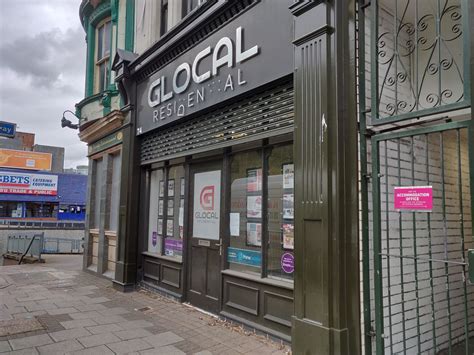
32	224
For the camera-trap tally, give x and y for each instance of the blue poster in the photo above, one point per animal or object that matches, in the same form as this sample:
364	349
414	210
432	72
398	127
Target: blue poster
244	257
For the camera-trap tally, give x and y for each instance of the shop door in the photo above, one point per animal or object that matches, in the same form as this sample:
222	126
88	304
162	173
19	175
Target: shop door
205	244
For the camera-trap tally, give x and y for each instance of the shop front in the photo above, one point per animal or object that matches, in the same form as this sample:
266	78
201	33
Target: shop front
214	132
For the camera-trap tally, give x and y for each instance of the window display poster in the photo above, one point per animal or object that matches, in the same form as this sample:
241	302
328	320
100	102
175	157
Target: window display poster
160	208
254	234
172	246
288	206
254	206
288	236
207	205
160	226
244	257
171	187
153	244
170	207
288	176
288	263
182	187
169	227
161	188
254	180
235	224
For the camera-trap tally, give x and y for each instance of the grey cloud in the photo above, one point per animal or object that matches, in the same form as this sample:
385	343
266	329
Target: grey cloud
44	56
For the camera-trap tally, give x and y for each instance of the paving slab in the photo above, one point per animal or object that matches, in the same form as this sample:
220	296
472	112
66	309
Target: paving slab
4	346
30	341
133	334
128	346
105	328
82	314
98	339
163	339
69	334
96	350
60	348
78	323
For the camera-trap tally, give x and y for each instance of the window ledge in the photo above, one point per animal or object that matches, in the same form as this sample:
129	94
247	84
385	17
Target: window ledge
163	257
268	281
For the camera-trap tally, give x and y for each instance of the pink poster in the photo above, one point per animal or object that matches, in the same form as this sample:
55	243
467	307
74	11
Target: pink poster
413	198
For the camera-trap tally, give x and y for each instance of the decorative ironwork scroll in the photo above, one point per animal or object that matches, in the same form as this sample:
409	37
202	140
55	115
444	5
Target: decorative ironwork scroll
419	59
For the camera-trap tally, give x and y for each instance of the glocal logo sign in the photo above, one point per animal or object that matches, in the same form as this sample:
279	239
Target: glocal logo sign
224	54
207	198
30	184
206	216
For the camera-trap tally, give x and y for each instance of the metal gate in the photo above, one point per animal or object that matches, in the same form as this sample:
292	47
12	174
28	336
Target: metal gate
423	302
415	86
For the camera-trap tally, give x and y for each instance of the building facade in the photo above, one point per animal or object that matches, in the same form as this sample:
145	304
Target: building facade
253	186
33	186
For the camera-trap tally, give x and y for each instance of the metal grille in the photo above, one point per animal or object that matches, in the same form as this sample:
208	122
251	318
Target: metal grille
423	301
262	115
419	58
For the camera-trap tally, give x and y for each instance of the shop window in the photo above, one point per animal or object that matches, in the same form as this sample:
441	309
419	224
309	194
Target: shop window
11	210
173	243
249	231
114	191
280	212
97	181
156	211
166	213
245	245
102	57
41	210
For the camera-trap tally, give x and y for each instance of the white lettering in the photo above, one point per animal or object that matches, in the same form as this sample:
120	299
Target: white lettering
200	95
152	102
229	83
184	67
249	53
167	96
203	77
191	99
239	78
227	58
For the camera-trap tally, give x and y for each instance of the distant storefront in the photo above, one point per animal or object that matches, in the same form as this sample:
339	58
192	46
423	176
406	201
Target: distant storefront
38	195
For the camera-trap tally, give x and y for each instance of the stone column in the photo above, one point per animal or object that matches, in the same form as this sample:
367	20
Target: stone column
326	319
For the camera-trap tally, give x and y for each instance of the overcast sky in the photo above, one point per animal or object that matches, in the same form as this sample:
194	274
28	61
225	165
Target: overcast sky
42	68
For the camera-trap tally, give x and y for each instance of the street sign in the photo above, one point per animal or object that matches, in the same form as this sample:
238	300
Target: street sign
7	129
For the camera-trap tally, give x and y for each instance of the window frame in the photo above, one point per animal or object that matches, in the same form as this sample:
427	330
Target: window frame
164	216
265	149
98	58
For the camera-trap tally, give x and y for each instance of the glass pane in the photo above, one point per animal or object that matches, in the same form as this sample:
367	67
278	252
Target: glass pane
155	217
244	252
98	191
107	37
100	45
103	72
175	213
281	213
115	192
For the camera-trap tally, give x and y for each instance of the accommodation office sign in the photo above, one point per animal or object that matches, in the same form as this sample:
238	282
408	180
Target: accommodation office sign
413	198
207	205
28	184
239	57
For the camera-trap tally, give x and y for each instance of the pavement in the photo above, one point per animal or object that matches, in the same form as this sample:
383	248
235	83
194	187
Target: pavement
56	308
